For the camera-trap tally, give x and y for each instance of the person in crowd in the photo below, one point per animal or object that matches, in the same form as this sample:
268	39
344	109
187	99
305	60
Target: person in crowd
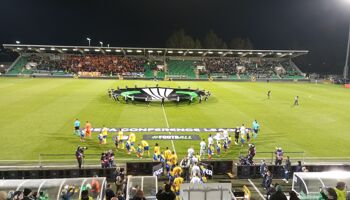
340	189
243	132
328	194
263	168
109	192
79	155
278	195
211	150
293	195
77	126
167	153
237	133
296	101
120	196
166	194
185	165
267	180
27	194
279	156
67	192
88	129
3	195
85	195
119	179
139	195
299	167
145	146
121	139
256	128
287	168
196	179
195	170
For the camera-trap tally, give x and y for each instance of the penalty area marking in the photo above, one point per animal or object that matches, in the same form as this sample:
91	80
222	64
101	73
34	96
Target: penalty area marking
262	196
167	124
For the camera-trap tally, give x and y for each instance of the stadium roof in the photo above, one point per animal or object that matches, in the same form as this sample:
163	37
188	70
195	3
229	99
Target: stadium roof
134	51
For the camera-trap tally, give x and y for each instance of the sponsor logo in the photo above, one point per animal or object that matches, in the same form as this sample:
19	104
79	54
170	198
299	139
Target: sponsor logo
171	137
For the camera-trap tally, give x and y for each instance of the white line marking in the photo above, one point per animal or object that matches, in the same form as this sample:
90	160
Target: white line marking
262	196
167	124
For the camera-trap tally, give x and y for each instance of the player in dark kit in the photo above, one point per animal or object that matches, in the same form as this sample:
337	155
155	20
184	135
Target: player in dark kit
296	101
236	135
268	94
163	101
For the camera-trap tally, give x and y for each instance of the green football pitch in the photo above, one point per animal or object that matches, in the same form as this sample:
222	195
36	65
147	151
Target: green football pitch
37	116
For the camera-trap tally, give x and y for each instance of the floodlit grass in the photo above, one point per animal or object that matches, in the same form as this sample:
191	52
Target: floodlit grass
37	115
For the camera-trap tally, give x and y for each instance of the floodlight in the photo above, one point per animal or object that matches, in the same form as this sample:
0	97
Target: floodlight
150	51
170	51
18	42
108	50
64	49
86	50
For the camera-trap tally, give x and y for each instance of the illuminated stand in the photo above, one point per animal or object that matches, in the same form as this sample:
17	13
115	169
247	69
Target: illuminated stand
307	184
54	188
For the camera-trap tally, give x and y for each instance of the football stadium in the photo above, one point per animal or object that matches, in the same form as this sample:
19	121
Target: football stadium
208	120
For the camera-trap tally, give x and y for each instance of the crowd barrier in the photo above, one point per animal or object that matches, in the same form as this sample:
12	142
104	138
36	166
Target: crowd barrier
244	171
57	173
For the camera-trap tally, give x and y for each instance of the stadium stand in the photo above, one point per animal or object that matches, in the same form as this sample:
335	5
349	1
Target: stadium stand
203	64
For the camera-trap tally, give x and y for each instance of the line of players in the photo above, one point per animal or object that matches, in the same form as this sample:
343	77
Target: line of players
242	135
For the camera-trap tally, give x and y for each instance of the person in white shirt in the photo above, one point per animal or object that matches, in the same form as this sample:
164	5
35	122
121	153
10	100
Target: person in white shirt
195	170
202	148
196	180
190	153
210	141
225	133
243	129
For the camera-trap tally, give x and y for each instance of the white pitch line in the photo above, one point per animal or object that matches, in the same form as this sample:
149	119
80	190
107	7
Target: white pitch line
261	195
167	124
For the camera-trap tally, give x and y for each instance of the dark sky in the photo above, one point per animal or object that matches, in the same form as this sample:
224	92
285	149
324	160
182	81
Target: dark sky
320	26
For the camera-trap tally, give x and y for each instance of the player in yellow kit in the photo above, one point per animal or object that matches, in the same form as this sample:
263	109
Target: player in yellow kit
120	139
145	146
167	153
177	183
104	134
132	139
156	152
173	158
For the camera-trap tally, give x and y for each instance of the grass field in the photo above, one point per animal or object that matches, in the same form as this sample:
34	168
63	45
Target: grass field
37	115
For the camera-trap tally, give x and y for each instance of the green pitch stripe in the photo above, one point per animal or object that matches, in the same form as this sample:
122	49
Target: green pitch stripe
193	94
128	93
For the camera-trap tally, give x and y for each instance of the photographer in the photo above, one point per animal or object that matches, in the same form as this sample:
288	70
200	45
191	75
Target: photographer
79	154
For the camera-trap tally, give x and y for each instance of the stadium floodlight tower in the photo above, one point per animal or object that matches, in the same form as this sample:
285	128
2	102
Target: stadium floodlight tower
89	40
346	67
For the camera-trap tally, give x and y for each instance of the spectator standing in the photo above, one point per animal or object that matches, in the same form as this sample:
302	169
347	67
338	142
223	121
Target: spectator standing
167	194
286	169
120	195
279	156
109	192
340	190
26	194
85	195
185	165
293	196
278	195
299	167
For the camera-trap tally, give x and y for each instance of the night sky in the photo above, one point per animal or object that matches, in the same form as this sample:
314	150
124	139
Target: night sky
320	26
